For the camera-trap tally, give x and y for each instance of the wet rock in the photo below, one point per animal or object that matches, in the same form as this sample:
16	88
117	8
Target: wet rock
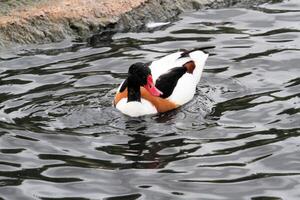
32	21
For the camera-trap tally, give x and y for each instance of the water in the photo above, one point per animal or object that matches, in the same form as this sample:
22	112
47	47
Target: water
60	138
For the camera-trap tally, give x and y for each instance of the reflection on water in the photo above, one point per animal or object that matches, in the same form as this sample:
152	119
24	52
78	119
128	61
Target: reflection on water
60	138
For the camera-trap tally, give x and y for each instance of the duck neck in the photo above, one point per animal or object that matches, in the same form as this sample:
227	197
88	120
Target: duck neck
134	93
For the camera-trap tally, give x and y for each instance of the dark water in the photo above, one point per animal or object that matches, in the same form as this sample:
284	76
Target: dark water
238	139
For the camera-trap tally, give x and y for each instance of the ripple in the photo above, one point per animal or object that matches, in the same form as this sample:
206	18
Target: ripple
238	138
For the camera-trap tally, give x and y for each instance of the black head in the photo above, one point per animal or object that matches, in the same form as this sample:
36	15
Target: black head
140	72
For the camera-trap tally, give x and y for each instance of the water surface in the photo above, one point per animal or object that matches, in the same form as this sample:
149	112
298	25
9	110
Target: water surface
60	138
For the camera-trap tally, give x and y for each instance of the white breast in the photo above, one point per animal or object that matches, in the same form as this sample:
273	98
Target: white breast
135	108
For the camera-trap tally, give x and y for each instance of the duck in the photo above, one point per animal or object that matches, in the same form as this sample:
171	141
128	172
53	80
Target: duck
161	85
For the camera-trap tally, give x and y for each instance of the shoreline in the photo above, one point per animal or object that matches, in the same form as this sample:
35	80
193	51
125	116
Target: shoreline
47	21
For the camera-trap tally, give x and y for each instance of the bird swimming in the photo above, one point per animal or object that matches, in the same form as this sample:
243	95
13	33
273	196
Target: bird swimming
162	85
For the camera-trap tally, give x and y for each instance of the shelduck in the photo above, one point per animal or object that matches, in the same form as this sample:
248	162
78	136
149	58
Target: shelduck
162	85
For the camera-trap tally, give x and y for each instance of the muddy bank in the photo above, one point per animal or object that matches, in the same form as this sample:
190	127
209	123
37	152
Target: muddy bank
31	21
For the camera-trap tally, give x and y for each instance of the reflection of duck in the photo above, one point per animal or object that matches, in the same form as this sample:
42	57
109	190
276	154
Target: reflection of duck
175	77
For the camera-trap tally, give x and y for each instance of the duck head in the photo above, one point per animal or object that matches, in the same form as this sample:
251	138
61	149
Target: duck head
140	75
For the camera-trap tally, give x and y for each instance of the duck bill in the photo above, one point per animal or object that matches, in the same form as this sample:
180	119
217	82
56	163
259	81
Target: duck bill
151	87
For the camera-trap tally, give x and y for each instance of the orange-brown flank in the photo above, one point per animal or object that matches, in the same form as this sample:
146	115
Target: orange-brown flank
190	66
161	105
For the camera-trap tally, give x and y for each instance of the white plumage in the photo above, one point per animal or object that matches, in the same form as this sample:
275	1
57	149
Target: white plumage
135	108
186	85
182	93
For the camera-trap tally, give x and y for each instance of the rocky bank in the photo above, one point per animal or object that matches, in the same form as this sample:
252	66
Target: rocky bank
45	21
